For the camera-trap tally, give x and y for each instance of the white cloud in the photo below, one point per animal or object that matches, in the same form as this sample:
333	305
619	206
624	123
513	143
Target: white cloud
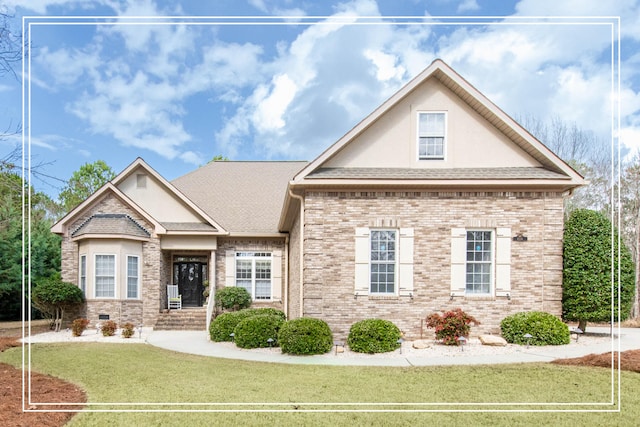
271	107
66	66
191	157
468	5
385	64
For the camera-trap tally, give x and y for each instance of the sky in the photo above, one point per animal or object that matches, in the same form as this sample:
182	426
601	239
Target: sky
178	83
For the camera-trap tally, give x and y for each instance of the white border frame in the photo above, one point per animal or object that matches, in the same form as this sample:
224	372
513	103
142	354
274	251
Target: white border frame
613	22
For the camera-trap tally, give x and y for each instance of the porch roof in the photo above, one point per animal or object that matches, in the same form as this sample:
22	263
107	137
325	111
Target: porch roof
188	226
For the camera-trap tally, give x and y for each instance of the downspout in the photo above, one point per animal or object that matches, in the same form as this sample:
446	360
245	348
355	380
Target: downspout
285	297
212	289
301	199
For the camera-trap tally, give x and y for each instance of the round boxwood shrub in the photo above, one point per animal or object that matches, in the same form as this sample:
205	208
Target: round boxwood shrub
255	331
267	310
223	325
545	328
304	336
233	298
373	336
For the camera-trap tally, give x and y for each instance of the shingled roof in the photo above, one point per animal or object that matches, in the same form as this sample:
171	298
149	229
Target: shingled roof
439	174
243	197
120	224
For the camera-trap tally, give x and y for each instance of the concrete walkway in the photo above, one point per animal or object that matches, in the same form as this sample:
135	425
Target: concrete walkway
196	342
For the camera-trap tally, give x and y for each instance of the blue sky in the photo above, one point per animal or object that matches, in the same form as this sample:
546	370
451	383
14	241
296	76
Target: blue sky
179	93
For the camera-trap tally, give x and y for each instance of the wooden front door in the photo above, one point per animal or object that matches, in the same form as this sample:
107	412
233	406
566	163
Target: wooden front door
188	277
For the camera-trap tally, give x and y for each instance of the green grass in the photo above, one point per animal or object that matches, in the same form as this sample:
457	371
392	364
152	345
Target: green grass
112	373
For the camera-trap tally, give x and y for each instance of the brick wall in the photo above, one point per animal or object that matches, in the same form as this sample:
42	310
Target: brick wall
332	217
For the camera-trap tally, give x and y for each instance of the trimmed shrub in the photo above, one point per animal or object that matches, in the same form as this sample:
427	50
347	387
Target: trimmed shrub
267	311
232	298
373	336
127	330
255	331
108	328
545	328
78	326
224	324
305	336
451	325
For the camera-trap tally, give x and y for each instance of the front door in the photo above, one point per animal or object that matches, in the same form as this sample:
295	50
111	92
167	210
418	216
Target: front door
188	277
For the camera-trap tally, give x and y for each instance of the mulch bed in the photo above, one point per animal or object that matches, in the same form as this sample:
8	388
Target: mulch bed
630	360
44	388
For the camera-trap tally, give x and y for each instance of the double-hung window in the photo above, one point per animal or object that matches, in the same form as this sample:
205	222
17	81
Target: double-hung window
83	273
431	135
253	272
133	269
383	261
105	267
479	261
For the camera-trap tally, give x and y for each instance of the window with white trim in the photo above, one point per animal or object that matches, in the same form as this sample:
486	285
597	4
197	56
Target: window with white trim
105	267
431	135
133	272
383	261
253	272
479	270
83	274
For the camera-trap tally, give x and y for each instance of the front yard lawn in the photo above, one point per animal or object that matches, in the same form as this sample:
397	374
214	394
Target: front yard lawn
113	375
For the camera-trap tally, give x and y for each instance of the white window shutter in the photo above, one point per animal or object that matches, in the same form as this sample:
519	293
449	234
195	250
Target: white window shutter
230	268
458	261
405	266
363	254
276	275
503	261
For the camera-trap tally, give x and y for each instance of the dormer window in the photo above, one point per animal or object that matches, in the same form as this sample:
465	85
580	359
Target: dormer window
431	135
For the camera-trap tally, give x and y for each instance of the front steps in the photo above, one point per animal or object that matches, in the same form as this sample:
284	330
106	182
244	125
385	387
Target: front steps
187	319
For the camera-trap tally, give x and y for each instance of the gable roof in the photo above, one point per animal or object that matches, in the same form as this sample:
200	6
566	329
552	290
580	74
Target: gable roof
208	226
245	197
61	227
474	99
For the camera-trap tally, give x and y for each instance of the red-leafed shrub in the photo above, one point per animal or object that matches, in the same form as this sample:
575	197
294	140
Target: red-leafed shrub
78	326
451	325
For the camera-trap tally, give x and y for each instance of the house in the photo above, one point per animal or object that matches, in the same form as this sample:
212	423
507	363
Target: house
436	200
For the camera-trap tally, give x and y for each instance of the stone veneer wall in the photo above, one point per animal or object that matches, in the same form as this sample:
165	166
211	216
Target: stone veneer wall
332	217
126	310
248	244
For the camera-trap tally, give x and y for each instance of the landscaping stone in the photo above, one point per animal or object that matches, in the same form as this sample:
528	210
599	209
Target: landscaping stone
420	344
492	340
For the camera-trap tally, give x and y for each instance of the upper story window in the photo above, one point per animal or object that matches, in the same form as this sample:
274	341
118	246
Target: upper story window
431	135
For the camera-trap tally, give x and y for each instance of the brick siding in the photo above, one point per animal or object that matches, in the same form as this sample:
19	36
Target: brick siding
329	255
